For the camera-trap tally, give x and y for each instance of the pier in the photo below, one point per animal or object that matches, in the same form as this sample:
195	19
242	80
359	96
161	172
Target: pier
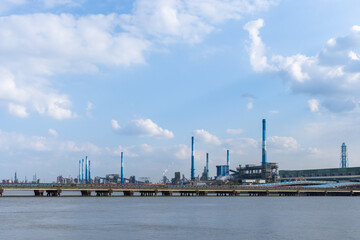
158	190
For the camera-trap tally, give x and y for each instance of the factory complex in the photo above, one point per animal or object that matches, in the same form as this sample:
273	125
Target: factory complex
247	174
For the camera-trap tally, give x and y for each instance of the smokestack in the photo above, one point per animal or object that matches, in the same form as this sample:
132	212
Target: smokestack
82	170
122	168
89	176
227	162
79	179
264	142
207	166
86	170
192	159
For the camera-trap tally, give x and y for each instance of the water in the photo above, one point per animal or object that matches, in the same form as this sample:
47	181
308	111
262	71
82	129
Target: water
179	218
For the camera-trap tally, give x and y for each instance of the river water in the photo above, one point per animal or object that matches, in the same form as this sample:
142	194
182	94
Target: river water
180	218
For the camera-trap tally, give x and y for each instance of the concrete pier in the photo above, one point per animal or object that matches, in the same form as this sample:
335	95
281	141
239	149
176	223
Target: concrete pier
152	190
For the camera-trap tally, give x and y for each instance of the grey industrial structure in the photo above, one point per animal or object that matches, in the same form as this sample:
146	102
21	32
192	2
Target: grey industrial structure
267	171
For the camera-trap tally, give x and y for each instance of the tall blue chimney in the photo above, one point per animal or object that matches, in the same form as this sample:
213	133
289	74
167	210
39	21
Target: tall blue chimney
207	166
192	160
264	141
86	170
89	175
82	170
122	168
227	162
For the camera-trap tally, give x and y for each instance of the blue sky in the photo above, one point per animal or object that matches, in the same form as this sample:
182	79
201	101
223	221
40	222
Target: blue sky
99	77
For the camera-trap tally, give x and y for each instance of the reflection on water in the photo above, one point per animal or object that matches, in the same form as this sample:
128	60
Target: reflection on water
179	218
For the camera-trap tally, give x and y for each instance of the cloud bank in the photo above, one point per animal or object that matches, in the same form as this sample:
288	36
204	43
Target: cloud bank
331	77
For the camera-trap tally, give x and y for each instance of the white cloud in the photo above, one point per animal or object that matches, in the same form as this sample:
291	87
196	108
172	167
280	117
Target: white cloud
18	110
332	75
257	48
35	47
187	20
115	125
53	132
206	137
235	131
142	127
313	105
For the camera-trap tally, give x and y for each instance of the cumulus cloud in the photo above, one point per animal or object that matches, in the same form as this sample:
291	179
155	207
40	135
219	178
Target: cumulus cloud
18	110
206	137
115	125
187	20
142	127
35	47
332	75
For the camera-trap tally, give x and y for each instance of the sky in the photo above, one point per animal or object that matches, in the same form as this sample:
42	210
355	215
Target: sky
97	78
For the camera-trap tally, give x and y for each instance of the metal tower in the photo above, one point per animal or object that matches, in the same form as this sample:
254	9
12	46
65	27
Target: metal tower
264	142
344	157
207	166
192	159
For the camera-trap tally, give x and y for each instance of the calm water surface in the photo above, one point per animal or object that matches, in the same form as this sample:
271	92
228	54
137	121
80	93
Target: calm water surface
180	218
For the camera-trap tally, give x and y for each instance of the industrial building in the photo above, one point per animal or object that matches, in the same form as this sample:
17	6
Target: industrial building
330	174
267	171
223	170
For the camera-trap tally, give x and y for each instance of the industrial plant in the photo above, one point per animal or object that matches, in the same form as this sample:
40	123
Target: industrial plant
246	174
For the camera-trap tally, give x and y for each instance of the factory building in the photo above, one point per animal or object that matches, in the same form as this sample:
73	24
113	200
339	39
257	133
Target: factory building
344	173
330	174
252	173
222	170
267	171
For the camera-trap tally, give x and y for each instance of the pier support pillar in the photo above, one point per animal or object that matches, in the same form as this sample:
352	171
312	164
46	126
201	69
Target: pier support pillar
39	193
166	193
86	193
53	193
104	193
203	193
128	193
1	192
